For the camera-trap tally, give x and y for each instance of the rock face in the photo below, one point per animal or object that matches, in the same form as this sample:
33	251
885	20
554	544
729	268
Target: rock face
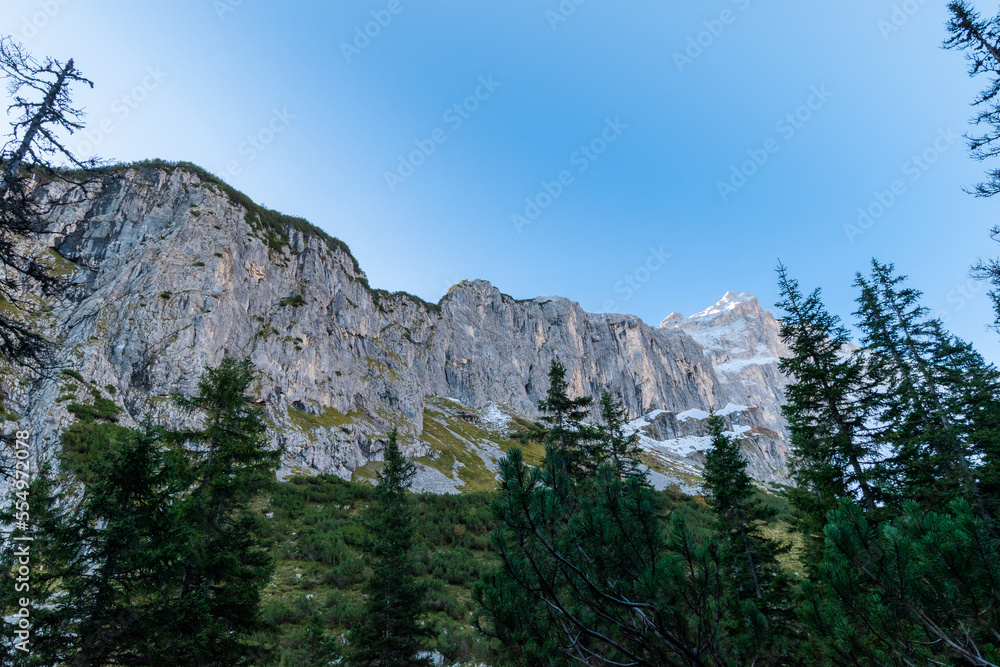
743	343
173	272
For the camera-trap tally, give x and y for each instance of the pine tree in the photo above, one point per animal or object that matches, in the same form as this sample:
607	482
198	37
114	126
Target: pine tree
834	454
161	563
392	632
112	549
988	270
980	40
621	451
940	400
579	443
754	577
594	574
923	588
220	593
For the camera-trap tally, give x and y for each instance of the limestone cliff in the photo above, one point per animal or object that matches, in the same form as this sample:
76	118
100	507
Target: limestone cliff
173	270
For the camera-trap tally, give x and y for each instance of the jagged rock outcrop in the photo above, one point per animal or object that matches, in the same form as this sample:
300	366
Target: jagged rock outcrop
743	343
173	272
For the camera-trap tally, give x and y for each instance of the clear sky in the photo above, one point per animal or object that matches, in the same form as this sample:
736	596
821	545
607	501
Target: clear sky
587	149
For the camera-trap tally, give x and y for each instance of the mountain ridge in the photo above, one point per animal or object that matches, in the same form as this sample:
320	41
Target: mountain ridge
171	273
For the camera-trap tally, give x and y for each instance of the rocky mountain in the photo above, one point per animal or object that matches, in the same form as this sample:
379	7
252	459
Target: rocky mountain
172	270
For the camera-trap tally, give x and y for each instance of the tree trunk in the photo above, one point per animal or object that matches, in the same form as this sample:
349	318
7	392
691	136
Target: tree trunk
17	159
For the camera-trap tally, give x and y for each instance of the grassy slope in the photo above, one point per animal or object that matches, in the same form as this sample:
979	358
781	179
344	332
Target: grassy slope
315	534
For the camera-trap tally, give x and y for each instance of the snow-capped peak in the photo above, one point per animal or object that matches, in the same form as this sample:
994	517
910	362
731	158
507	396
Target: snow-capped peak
728	302
672	320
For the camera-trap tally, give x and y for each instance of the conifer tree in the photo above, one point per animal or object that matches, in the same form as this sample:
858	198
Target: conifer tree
988	270
578	442
119	590
318	647
594	574
940	401
754	578
106	545
834	454
161	563
109	568
392	631
622	451
41	522
232	465
979	39
43	114
920	589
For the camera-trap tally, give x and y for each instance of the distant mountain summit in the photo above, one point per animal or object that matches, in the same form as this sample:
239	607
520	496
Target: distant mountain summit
173	270
743	343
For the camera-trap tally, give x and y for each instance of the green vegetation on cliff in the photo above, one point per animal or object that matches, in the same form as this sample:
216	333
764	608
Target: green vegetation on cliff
273	225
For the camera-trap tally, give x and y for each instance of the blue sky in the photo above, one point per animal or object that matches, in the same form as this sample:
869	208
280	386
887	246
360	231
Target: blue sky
587	149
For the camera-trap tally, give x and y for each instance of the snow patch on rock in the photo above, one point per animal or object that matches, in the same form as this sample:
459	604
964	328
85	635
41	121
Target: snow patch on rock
737	365
702	415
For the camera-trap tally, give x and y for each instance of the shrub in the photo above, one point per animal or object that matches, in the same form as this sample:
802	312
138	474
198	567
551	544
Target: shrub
69	372
294	301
